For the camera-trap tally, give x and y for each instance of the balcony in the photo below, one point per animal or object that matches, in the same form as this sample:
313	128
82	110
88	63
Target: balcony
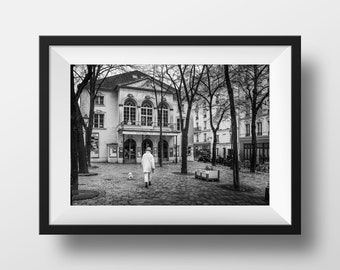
147	126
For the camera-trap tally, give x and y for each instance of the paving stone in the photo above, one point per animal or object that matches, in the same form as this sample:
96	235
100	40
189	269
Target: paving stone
169	188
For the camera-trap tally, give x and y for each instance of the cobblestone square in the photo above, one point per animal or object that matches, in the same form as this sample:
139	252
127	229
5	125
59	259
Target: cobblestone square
169	187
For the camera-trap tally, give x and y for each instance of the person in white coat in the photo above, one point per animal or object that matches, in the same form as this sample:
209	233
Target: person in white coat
148	163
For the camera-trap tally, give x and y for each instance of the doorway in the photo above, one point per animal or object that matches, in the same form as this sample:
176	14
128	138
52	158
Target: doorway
146	143
165	150
130	151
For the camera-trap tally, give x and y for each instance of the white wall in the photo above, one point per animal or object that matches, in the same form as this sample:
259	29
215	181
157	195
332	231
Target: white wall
21	23
108	134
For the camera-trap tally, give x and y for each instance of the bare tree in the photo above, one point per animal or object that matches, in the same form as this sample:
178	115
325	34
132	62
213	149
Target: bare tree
253	80
75	119
186	80
79	74
99	75
82	162
231	88
218	104
160	85
161	89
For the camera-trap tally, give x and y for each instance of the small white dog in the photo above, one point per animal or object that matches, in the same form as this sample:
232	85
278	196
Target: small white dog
130	176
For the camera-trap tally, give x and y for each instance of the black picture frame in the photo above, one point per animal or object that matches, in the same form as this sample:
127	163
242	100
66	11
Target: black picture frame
44	204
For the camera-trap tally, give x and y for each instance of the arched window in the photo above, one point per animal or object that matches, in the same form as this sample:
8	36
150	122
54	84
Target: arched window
130	112
163	110
146	109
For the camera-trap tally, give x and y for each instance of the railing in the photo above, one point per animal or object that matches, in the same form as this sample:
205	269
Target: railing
128	125
196	129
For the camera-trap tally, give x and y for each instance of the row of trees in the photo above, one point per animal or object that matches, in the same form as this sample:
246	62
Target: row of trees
247	89
207	84
192	85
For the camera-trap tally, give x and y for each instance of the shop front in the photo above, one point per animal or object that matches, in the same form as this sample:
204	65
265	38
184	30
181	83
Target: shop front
262	154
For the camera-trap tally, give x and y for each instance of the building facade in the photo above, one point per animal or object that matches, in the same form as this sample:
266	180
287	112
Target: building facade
262	135
203	135
127	120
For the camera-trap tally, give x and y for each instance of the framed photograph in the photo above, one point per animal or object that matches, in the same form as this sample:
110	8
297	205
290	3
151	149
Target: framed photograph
170	135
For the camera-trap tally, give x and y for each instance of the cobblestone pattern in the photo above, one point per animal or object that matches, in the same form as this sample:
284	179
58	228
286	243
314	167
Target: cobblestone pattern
168	188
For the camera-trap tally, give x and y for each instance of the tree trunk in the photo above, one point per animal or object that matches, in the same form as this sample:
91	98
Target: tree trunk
81	150
89	131
176	151
213	160
74	156
82	162
74	145
253	124
236	179
253	144
88	146
185	141
184	147
161	137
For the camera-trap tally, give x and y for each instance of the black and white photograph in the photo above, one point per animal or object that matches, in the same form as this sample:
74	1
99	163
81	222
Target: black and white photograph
167	134
157	135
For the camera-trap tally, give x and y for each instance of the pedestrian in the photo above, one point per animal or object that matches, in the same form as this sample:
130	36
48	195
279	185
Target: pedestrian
148	163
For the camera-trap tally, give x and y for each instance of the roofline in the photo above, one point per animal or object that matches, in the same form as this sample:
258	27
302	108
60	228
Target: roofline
145	76
149	77
127	83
